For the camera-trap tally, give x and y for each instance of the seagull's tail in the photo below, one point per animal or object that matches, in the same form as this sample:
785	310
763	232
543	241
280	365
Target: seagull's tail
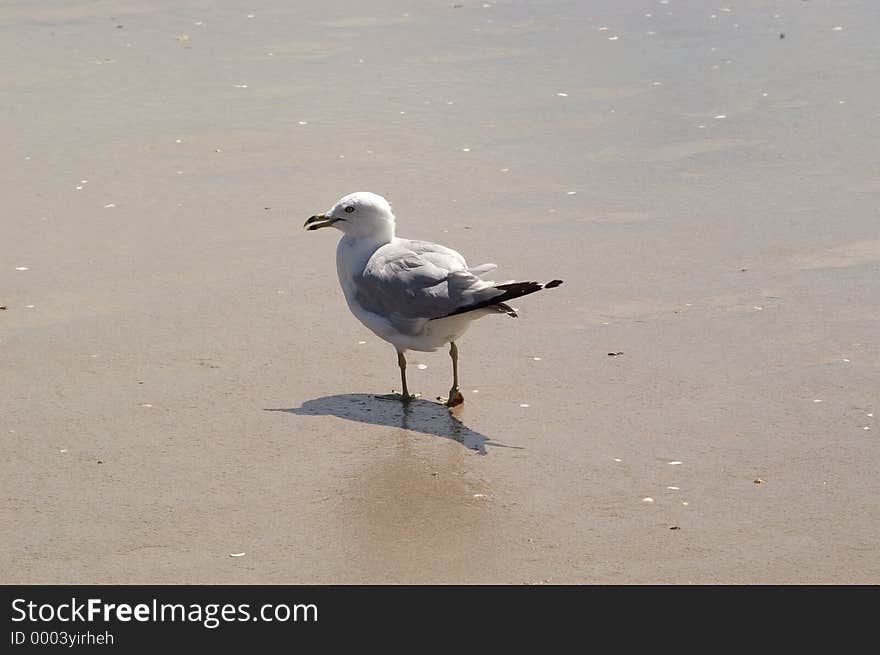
508	291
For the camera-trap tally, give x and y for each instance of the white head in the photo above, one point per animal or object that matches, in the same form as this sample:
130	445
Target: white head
360	214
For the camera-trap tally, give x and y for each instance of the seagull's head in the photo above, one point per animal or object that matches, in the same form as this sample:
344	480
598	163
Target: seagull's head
360	214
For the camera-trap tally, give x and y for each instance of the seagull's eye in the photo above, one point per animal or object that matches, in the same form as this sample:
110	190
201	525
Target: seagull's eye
349	209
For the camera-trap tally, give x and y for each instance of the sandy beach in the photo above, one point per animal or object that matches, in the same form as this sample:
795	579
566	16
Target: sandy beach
182	381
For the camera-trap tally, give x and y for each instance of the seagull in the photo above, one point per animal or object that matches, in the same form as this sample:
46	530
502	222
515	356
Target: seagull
416	295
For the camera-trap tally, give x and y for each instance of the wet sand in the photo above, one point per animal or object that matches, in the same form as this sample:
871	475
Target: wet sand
182	380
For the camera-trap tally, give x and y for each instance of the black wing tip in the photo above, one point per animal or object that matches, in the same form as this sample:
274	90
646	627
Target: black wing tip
511	291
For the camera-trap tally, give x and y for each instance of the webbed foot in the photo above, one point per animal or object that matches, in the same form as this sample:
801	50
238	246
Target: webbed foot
455	397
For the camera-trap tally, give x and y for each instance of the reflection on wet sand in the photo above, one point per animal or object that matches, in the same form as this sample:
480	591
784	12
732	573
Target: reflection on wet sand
404	514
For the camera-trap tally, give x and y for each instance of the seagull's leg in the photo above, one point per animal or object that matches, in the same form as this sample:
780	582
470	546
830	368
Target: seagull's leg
455	397
401	362
405	396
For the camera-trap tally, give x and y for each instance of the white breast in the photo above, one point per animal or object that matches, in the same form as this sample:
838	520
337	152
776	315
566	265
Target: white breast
352	256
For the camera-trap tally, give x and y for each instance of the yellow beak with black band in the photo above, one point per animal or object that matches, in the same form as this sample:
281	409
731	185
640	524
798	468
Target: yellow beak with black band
318	221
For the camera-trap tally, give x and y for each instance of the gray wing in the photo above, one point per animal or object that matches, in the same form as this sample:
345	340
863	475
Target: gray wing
411	282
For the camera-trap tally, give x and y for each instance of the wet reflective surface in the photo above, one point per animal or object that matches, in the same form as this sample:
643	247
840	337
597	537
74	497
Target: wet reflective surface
704	179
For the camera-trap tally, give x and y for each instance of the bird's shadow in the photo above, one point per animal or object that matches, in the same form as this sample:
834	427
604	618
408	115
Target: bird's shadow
418	415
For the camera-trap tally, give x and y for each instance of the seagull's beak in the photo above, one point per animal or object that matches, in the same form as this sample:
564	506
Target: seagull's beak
318	221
